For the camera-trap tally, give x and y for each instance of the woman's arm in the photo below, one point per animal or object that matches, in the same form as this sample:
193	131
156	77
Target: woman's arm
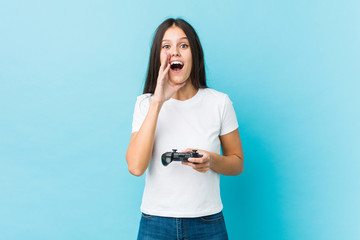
141	143
231	163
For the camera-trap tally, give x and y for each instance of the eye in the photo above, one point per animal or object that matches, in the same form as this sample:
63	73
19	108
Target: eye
166	46
184	46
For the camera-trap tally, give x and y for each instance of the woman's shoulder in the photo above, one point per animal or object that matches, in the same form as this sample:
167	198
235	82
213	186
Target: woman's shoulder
146	97
143	100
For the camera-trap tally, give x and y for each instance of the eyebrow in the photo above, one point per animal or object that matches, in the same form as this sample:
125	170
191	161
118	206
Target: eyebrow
179	39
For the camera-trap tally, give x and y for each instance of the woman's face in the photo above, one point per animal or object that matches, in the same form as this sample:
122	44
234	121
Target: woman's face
177	45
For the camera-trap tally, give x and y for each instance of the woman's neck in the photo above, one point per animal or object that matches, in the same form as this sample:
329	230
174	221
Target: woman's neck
186	92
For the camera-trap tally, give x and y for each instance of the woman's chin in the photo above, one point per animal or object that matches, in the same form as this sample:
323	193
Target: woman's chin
177	81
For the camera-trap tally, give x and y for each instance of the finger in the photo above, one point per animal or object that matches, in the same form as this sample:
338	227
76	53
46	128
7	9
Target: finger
201	152
165	61
197	167
197	160
166	70
189	164
162	74
204	167
201	166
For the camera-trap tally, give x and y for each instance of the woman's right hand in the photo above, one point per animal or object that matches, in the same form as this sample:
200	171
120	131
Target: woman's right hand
165	89
141	144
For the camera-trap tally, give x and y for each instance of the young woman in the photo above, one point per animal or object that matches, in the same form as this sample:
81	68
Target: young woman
178	111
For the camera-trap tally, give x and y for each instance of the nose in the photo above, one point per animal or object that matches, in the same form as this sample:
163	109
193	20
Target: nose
174	52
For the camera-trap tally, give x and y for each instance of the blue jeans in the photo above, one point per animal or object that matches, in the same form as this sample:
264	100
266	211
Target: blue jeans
210	227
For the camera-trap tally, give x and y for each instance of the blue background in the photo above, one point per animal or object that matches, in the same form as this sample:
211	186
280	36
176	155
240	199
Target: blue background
70	72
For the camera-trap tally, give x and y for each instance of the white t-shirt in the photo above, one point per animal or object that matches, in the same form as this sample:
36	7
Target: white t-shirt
178	190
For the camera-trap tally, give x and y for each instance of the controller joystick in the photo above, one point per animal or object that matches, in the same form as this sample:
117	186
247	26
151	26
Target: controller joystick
168	157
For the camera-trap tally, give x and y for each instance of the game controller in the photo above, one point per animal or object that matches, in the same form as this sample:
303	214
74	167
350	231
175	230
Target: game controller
168	157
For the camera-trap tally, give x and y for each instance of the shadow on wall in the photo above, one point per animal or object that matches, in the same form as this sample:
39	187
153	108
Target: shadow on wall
252	207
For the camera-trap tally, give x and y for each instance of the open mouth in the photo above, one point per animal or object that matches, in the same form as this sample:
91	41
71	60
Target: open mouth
176	65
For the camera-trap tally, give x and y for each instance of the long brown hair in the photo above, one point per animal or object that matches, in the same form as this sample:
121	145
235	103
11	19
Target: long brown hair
197	74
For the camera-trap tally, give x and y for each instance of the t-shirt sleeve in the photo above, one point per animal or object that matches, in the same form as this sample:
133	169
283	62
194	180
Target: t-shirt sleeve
141	108
229	121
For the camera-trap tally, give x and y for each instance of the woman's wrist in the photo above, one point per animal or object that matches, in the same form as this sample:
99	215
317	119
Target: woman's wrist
156	104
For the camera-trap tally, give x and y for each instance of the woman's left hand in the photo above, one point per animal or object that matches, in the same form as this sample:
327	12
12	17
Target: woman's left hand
202	164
